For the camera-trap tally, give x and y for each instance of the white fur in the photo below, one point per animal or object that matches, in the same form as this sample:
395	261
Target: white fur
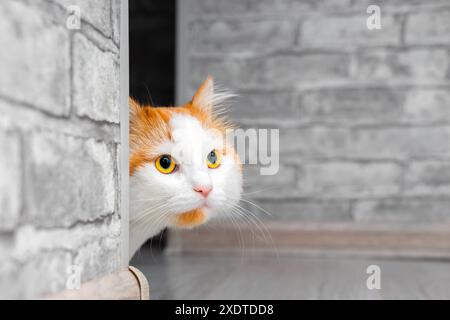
156	198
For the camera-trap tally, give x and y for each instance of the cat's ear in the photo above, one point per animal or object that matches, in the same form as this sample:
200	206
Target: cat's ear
204	97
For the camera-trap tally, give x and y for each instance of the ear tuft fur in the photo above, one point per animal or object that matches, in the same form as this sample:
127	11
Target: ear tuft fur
203	98
211	98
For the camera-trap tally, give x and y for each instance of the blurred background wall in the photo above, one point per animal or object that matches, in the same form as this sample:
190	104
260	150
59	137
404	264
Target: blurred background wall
59	142
364	115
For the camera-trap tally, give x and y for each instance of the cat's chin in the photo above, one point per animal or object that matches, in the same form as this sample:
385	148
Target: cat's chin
191	218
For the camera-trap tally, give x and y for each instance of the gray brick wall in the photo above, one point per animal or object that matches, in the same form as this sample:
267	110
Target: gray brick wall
60	144
363	114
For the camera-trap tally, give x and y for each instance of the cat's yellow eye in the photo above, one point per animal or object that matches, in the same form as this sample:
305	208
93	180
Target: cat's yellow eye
214	159
165	164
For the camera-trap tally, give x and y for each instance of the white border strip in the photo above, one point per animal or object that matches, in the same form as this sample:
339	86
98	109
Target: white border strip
124	134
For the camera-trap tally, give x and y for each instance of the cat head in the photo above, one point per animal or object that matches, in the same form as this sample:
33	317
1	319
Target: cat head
182	171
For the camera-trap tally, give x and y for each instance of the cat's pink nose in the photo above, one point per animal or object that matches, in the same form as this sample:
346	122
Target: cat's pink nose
203	190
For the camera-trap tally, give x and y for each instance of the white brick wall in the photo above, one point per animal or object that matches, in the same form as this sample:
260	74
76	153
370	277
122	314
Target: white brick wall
40	76
96	81
363	115
11	180
60	144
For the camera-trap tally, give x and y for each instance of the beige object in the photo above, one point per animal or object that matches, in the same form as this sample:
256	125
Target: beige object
125	284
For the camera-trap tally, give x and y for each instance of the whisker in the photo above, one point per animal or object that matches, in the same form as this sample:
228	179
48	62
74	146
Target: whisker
258	207
258	191
259	224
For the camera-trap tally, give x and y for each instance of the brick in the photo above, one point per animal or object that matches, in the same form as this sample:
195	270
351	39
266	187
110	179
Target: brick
98	258
313	142
258	185
11	180
423	106
263	104
96	81
304	210
116	9
428	28
404	5
348	31
97	13
365	143
8	273
69	239
36	52
241	36
226	72
401	143
413	65
78	173
37	276
349	179
428	177
296	6
352	104
46	273
402	211
267	6
290	69
219	7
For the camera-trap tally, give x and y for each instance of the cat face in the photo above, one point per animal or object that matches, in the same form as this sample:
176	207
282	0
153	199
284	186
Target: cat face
182	170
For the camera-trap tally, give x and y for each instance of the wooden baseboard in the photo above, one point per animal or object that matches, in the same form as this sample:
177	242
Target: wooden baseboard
126	284
432	241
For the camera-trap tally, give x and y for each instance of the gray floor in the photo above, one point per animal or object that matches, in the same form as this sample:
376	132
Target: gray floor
259	276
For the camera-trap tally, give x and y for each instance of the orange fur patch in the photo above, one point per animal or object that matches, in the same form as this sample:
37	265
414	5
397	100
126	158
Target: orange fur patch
190	218
148	128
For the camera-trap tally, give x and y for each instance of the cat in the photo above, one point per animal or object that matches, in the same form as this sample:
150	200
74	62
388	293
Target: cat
182	170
